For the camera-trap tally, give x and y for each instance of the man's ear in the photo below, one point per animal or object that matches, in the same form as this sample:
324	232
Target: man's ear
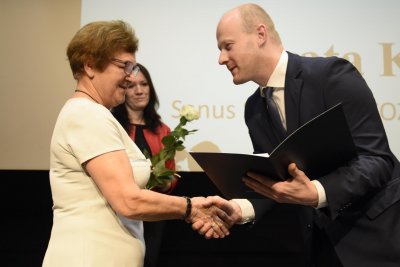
262	34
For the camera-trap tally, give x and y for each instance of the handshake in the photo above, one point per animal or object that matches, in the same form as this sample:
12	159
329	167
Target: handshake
213	216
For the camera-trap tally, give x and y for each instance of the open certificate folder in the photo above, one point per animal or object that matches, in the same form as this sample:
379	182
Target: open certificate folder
318	147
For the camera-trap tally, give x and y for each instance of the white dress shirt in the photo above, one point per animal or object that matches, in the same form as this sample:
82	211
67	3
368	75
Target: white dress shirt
277	81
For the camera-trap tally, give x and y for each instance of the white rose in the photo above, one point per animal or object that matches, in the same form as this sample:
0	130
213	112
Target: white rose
189	113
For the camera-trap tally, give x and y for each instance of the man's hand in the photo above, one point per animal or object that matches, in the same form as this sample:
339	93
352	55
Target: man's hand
224	214
212	216
296	190
230	207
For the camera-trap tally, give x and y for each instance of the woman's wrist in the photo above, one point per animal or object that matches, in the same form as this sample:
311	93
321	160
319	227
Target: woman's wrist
188	210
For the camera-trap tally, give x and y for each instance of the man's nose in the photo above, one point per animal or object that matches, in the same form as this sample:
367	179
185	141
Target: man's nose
222	58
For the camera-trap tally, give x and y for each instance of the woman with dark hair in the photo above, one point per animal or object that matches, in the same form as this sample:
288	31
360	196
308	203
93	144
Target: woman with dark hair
138	115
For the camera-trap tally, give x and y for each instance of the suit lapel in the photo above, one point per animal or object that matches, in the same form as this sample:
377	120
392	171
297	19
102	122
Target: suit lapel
293	87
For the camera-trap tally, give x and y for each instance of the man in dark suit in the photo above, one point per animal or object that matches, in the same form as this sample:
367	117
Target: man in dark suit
350	216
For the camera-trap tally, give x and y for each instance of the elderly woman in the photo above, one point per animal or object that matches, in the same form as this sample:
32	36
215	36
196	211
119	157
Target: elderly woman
97	173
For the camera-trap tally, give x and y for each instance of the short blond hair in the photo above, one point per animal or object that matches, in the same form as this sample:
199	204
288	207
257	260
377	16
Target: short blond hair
98	42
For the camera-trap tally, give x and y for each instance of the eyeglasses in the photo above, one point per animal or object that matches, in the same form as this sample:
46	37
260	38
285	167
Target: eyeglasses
129	67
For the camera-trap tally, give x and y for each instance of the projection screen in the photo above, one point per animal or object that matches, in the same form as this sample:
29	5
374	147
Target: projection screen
178	45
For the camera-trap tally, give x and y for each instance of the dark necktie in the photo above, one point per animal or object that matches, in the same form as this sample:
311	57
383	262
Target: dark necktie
273	113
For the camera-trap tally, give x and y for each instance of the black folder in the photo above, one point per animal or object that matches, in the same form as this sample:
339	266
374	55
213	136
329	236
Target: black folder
318	147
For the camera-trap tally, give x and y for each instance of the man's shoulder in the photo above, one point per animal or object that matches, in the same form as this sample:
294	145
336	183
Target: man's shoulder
304	66
300	59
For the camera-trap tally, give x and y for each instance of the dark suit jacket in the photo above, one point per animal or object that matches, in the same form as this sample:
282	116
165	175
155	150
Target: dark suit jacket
362	219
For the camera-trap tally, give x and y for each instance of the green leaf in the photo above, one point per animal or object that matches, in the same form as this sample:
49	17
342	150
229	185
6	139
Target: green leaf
173	142
176	133
167	154
180	148
168	140
154	159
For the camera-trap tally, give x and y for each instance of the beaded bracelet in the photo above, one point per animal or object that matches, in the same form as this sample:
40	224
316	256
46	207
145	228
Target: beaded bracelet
188	208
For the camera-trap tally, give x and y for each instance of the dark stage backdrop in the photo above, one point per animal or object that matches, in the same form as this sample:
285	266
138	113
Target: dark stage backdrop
27	219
